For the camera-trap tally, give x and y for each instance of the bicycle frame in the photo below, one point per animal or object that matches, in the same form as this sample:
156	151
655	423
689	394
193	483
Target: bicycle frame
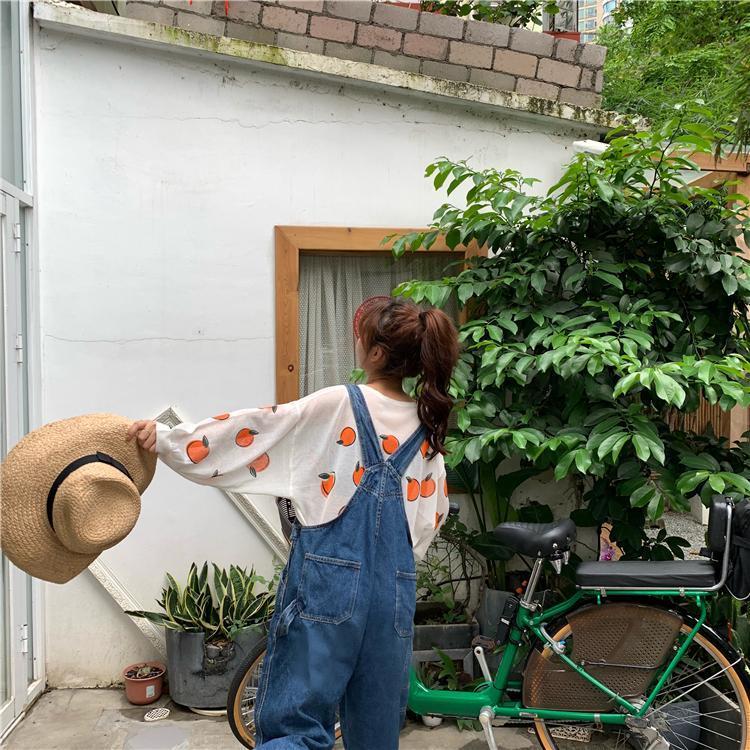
460	704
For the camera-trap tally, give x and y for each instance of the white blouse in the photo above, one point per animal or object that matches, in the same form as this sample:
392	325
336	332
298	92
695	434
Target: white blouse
308	450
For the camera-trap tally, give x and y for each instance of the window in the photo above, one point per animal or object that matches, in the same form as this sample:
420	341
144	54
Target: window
609	6
590	24
10	93
322	274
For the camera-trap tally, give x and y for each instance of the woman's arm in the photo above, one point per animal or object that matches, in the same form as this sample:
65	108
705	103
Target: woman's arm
249	450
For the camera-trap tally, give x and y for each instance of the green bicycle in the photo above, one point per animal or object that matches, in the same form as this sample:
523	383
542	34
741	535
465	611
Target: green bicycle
628	661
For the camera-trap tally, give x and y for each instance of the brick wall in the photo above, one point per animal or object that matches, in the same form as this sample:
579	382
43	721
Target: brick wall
403	38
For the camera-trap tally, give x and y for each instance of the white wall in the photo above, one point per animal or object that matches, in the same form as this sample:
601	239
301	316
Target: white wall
161	177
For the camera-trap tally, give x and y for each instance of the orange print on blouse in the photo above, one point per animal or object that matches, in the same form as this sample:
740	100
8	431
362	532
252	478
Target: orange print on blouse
428	486
221	416
390	443
359	471
347	437
424	448
259	464
412	489
197	450
245	437
329	479
445	486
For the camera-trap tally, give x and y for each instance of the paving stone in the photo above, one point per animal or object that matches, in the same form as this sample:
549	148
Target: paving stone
247	11
581	98
593	55
440	25
473	55
516	63
149	12
348	52
379	36
555	71
566	49
335	29
312	6
252	33
300	42
203	24
396	61
537	88
284	19
421	45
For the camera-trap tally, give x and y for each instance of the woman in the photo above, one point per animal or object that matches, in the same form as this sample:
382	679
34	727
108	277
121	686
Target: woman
364	468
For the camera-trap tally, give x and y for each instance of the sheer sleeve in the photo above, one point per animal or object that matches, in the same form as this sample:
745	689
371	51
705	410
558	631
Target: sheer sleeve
250	450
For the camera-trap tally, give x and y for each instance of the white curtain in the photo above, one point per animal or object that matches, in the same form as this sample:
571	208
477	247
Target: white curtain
331	287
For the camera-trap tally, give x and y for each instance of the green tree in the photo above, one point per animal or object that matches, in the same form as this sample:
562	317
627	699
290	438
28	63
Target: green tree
661	52
606	309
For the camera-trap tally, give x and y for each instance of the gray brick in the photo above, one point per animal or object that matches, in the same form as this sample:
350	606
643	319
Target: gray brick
335	29
480	32
565	49
587	79
581	98
444	70
299	42
357	10
284	19
398	62
516	63
473	55
537	88
246	10
348	52
203	24
599	82
312	6
420	45
204	7
369	35
492	80
251	33
534	42
395	17
151	13
440	25
592	55
561	73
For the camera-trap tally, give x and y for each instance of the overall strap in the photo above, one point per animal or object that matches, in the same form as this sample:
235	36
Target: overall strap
368	438
406	451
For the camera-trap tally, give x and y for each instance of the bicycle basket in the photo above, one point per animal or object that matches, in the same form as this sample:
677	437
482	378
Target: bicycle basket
622	645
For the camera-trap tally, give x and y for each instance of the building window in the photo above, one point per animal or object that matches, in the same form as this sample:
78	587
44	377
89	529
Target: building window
590	24
322	274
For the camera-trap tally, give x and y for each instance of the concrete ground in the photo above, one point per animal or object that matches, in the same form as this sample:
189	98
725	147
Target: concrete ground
104	720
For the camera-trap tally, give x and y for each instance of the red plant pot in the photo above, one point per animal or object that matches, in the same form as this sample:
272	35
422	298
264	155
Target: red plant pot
143	690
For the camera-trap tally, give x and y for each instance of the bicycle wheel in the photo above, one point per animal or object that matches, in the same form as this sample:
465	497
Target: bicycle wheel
241	697
704	705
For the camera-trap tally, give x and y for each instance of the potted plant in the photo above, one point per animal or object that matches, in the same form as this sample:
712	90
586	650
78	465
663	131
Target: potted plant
444	674
144	682
449	579
209	633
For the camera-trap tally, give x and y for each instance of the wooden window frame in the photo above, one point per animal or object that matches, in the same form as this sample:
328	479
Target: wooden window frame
291	241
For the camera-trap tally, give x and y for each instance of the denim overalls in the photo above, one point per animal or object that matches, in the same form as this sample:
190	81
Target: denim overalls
341	634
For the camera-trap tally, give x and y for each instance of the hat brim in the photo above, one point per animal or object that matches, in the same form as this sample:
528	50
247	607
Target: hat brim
28	472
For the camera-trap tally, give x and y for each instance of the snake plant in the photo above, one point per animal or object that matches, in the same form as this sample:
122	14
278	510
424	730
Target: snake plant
233	605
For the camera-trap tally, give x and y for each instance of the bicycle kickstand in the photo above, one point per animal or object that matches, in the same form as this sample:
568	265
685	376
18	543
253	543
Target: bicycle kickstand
486	715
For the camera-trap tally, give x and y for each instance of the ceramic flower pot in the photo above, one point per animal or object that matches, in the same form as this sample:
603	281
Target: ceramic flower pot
144	682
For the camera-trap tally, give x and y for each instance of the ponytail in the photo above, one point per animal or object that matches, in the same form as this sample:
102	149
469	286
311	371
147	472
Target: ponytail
438	354
417	343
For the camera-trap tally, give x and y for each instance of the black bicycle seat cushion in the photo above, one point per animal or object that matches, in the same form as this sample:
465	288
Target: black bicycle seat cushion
536	539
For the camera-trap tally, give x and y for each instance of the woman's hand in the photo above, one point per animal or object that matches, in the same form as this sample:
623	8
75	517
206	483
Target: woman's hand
145	431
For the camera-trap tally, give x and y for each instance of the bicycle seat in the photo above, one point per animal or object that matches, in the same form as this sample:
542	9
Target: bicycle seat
647	574
536	539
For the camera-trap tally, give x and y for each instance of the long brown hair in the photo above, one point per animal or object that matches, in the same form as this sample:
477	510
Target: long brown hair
421	343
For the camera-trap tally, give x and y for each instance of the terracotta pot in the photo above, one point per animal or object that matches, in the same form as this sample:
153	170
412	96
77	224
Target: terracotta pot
143	690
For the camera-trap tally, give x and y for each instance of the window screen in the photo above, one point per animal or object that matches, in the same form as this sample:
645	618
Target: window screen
331	287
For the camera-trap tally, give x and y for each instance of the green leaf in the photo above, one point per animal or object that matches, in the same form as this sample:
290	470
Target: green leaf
690	480
538	281
641	445
729	283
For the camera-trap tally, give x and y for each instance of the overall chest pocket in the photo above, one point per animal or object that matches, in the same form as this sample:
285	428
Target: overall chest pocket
328	588
406	603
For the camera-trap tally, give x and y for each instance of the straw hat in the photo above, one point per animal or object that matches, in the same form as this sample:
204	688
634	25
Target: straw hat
68	491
